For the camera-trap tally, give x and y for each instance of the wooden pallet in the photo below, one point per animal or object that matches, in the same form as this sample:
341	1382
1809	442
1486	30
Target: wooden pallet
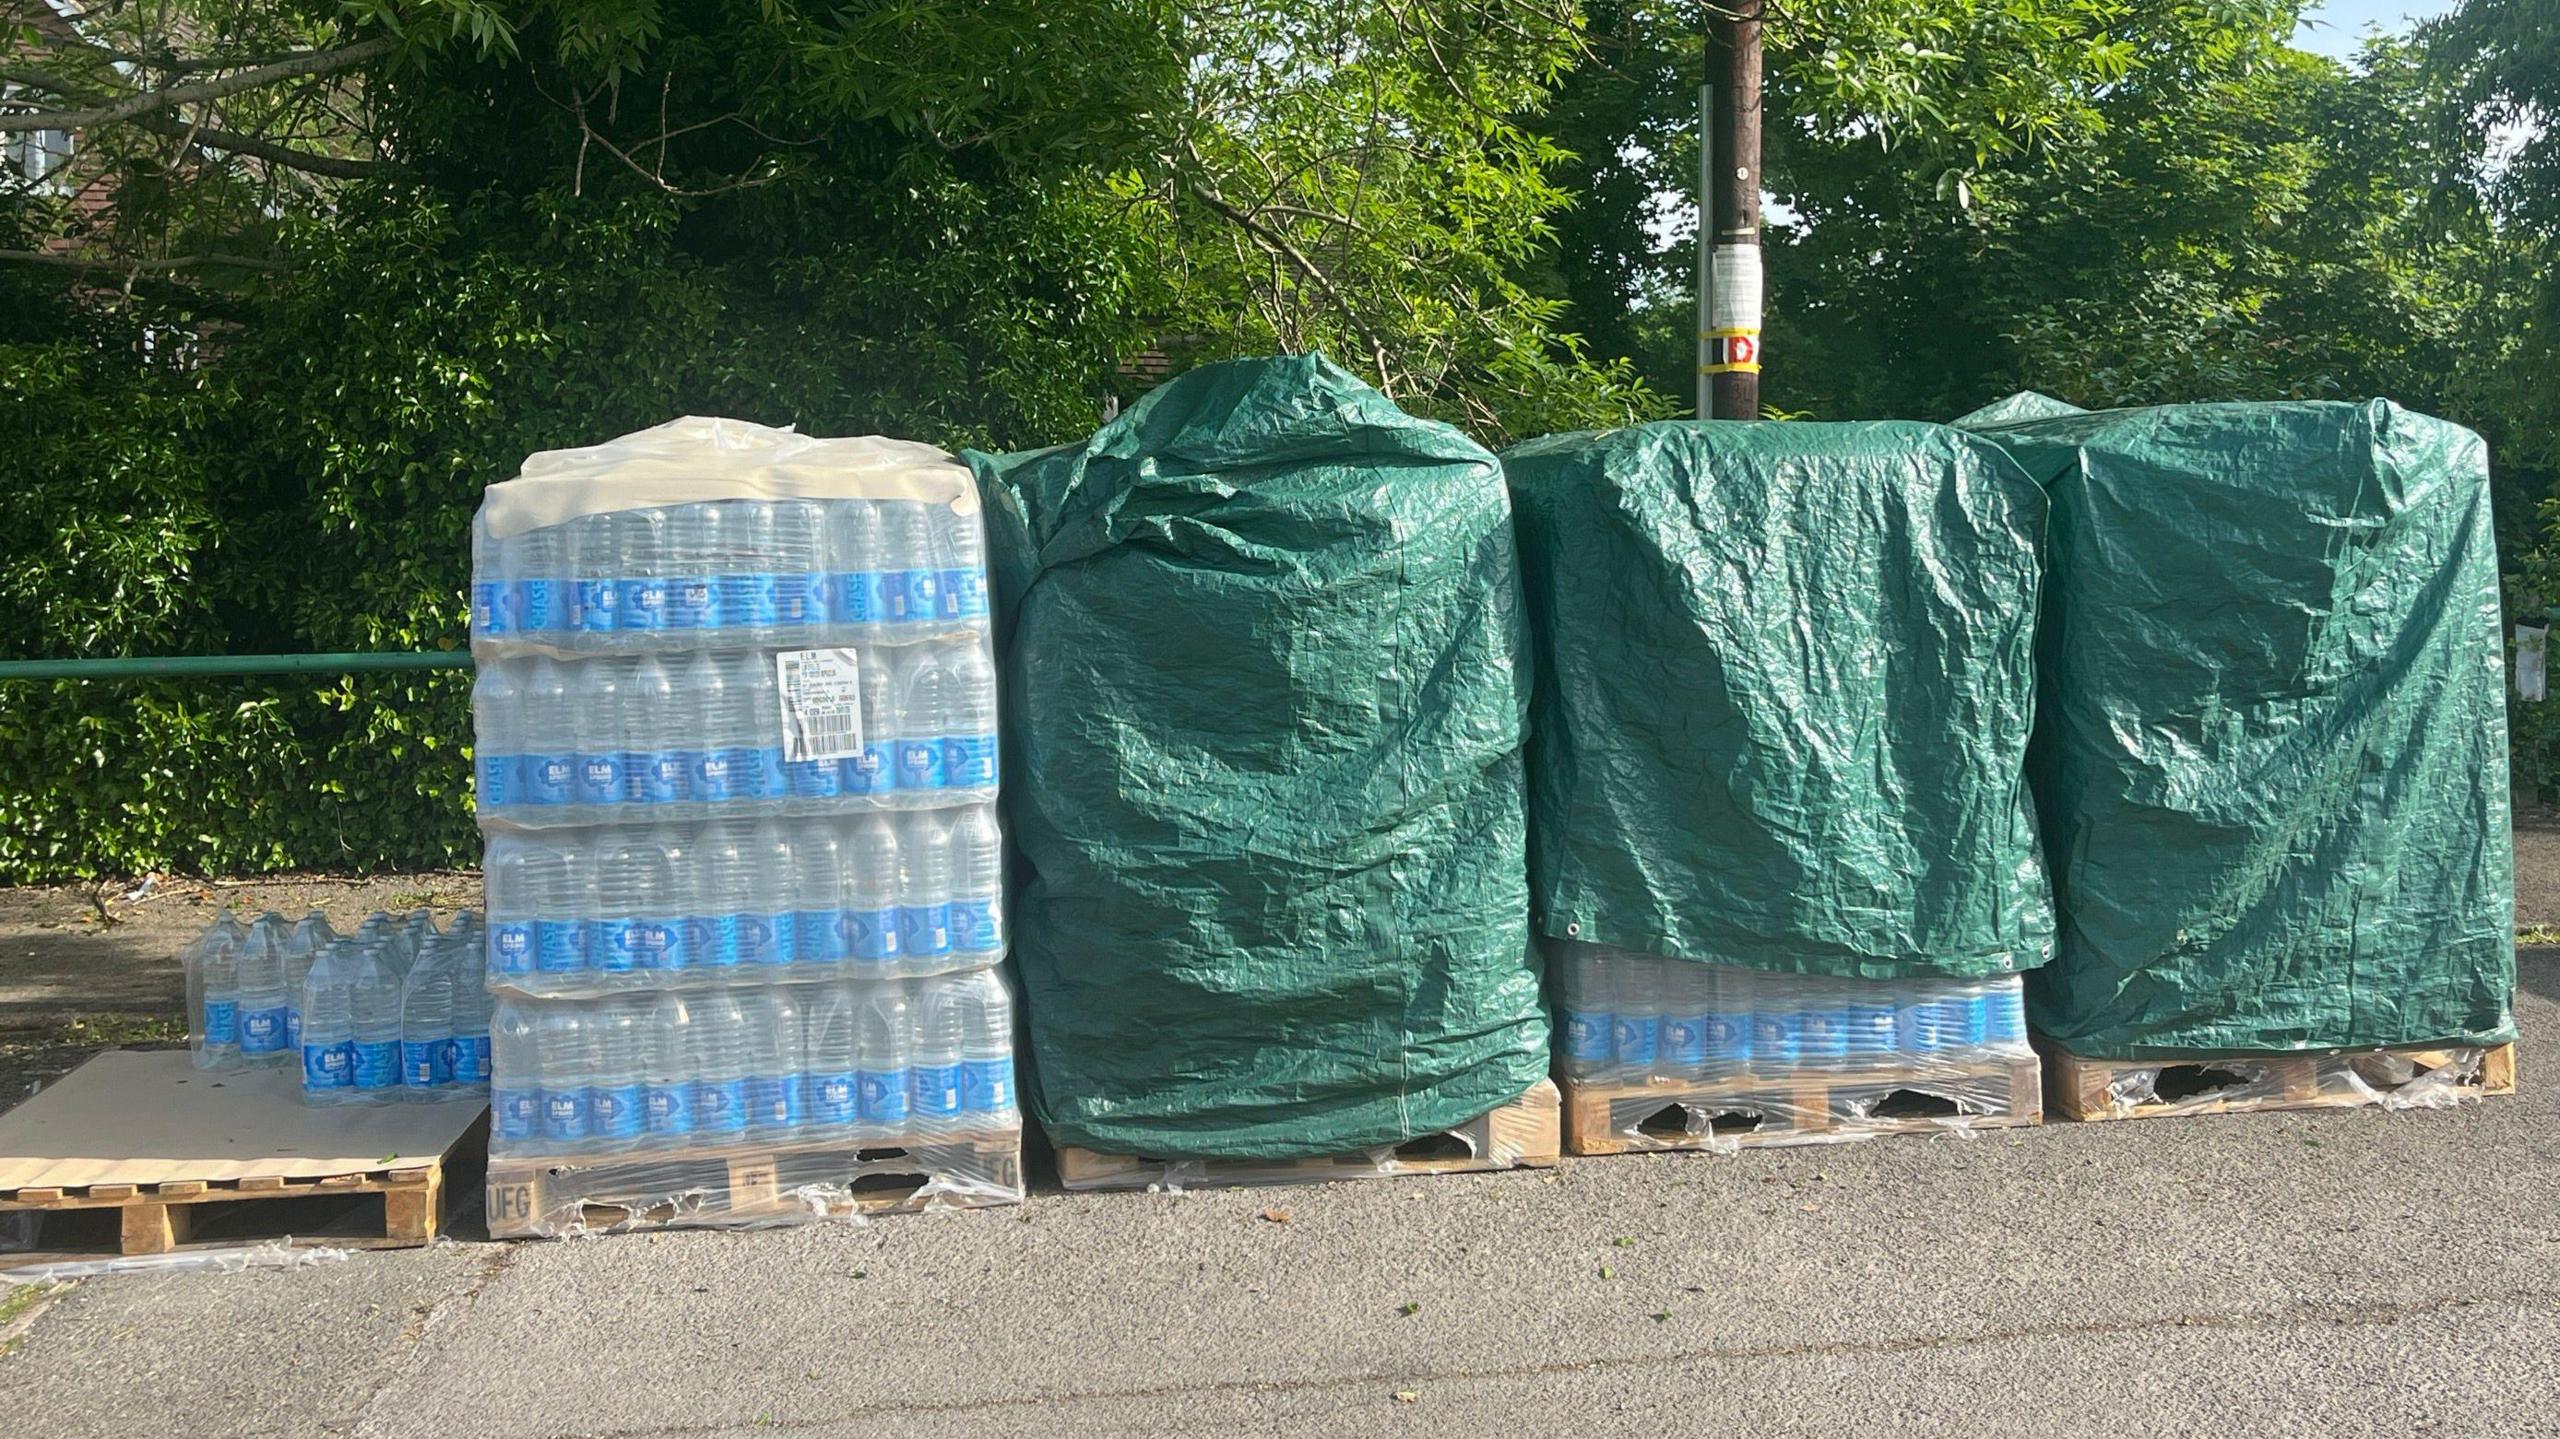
2089	1090
1521	1134
1802	1107
194	1159
748	1184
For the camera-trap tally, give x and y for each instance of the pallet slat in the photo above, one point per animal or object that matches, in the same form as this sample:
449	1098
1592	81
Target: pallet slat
1799	1107
2092	1090
1525	1133
546	1196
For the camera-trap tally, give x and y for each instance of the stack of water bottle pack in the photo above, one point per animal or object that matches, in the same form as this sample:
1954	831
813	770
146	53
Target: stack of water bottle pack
394	1011
737	768
1806	1055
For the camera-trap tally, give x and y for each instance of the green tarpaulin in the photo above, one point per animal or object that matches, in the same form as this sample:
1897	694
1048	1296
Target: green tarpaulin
2272	758
1785	693
1264	690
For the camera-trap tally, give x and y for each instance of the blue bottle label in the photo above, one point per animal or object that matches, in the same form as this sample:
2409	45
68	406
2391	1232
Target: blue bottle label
815	778
669	1107
616	1111
873	933
773	1100
936	1089
1586	1036
600	779
924	596
765	938
920	764
542	606
852	597
1919	1028
799	599
924	929
719	1106
2008	1020
329	1066
986	1085
749	602
560	946
891	601
518	1112
1637	1038
693	603
1777	1038
637	944
969	761
292	1029
262	1030
550	779
884	1097
1728	1036
817	935
874	771
662	776
964	594
833	1099
222	1021
755	772
1826	1033
1684	1040
495	780
711	780
377	1064
565	1114
696	944
977	926
470	1063
593	604
491	606
641	605
426	1063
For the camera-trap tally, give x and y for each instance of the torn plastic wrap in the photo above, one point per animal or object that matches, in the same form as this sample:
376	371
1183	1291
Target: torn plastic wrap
1671	1054
273	1254
737	761
1785	694
2271	756
1264	691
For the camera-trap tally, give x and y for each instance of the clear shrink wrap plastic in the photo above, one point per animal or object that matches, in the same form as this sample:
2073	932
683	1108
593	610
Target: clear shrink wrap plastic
1677	1050
737	764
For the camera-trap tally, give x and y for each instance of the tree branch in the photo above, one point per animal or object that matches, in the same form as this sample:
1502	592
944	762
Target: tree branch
310	162
131	267
310	63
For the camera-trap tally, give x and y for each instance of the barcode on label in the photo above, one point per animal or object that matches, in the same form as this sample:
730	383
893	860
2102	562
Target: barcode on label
821	704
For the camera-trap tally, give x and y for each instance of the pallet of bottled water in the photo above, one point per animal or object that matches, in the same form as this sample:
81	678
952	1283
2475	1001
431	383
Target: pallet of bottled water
1661	1053
736	768
394	1010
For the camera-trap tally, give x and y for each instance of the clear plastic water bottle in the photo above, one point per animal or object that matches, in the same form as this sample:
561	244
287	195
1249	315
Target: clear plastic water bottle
309	938
2005	1010
969	720
798	551
1728	1022
769	850
695	548
924	713
217	965
1919	1025
818	937
617	1105
541	581
515	1079
1587	992
492	596
831	1091
986	1050
1826	1021
977	889
328	1046
874	772
558	889
471	1014
514	925
375	996
1871	1007
550	732
642	559
655	752
744	893
600	706
1968	1005
909	573
719	1036
774	1059
934	1104
667	1095
702	687
497	744
881	1030
596	597
1777	1024
871	913
961	545
755	696
263	1004
638	929
855	590
1635	1029
744	568
1687	992
924	892
426	1025
566	1061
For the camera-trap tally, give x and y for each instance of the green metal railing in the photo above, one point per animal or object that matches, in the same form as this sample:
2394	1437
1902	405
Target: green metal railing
166	666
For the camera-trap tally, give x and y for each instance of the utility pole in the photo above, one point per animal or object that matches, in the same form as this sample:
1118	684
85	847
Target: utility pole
1729	277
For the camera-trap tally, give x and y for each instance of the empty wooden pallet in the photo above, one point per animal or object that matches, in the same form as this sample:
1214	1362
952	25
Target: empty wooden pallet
1802	1106
2087	1089
1521	1134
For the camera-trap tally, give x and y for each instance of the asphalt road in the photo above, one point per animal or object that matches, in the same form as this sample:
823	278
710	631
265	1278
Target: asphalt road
2336	1273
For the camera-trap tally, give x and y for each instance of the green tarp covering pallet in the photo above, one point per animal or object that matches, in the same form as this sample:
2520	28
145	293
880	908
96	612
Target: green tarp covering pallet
1264	694
1785	694
2272	756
